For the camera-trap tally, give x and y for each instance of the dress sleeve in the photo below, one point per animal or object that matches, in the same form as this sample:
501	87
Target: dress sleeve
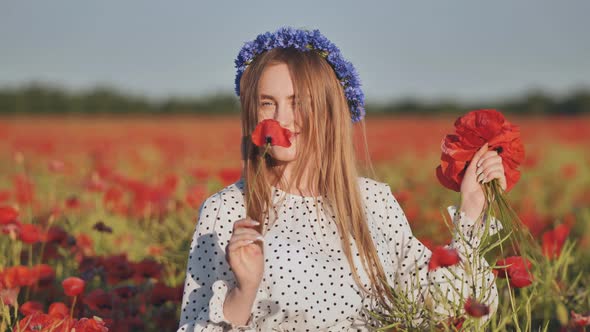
208	275
444	289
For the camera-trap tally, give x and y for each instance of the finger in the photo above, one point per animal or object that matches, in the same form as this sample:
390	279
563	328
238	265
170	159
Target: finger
247	222
489	154
486	155
480	153
487	172
487	163
491	174
245	230
244	235
233	247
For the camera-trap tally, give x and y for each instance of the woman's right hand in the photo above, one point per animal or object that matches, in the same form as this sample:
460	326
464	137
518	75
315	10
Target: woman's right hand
244	254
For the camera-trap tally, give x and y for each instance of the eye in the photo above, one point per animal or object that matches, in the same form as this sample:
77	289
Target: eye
266	103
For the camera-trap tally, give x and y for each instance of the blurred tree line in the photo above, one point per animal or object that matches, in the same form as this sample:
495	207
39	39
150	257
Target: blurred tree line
38	98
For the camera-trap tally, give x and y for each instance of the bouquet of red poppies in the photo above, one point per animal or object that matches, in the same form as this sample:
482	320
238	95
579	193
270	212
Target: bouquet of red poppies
472	131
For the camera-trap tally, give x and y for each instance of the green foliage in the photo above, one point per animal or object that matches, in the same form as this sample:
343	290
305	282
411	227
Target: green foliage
40	98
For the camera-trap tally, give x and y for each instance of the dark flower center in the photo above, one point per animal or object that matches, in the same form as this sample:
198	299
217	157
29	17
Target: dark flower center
268	139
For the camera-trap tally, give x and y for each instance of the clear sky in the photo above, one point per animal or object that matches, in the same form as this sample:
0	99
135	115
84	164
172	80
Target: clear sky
460	49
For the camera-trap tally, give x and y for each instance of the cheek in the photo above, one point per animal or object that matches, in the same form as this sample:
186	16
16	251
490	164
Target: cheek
282	153
262	116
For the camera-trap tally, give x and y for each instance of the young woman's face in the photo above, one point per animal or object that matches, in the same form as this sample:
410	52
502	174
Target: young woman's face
276	100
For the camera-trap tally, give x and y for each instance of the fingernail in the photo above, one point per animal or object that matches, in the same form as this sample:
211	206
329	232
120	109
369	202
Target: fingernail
254	222
250	241
260	237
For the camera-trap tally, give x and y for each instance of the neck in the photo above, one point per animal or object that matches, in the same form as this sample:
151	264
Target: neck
289	178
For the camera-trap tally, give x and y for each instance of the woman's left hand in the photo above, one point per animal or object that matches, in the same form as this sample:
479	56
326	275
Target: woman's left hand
484	166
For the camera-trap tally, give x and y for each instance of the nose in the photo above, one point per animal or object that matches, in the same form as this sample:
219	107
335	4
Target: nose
284	114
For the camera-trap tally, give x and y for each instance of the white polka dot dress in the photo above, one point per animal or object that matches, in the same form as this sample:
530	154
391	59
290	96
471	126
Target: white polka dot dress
307	283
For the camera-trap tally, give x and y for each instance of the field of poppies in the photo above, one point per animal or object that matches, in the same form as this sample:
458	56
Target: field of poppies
97	215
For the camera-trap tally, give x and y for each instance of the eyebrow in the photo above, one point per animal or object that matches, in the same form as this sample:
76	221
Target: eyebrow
271	97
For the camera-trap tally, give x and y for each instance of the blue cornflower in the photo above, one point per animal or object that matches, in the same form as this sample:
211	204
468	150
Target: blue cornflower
305	40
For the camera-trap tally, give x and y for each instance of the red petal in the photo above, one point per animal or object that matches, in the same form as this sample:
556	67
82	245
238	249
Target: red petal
271	128
73	286
476	309
443	257
553	241
8	214
520	278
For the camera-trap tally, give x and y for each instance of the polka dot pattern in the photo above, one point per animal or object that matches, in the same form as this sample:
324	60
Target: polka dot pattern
307	283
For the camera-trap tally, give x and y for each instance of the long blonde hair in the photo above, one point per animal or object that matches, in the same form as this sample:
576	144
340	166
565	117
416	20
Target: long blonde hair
325	144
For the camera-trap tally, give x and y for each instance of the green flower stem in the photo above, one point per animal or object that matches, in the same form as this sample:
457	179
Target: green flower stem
266	148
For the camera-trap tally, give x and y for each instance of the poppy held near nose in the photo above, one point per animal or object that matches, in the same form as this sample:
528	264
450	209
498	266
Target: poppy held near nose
270	131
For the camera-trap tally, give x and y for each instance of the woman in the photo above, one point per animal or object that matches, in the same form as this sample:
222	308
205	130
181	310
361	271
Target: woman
302	242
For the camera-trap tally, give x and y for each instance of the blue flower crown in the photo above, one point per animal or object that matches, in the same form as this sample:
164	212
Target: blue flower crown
305	40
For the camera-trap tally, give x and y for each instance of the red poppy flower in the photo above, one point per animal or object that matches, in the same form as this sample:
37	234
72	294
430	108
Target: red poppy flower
30	233
85	244
118	268
90	325
56	234
23	189
229	175
8	215
553	241
476	309
270	131
73	286
511	264
443	257
579	320
146	269
520	278
200	174
56	166
162	293
473	130
17	276
37	321
113	196
44	273
155	250
126	292
100	301
30	307
4	195
58	310
196	195
517	270
452	323
73	202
